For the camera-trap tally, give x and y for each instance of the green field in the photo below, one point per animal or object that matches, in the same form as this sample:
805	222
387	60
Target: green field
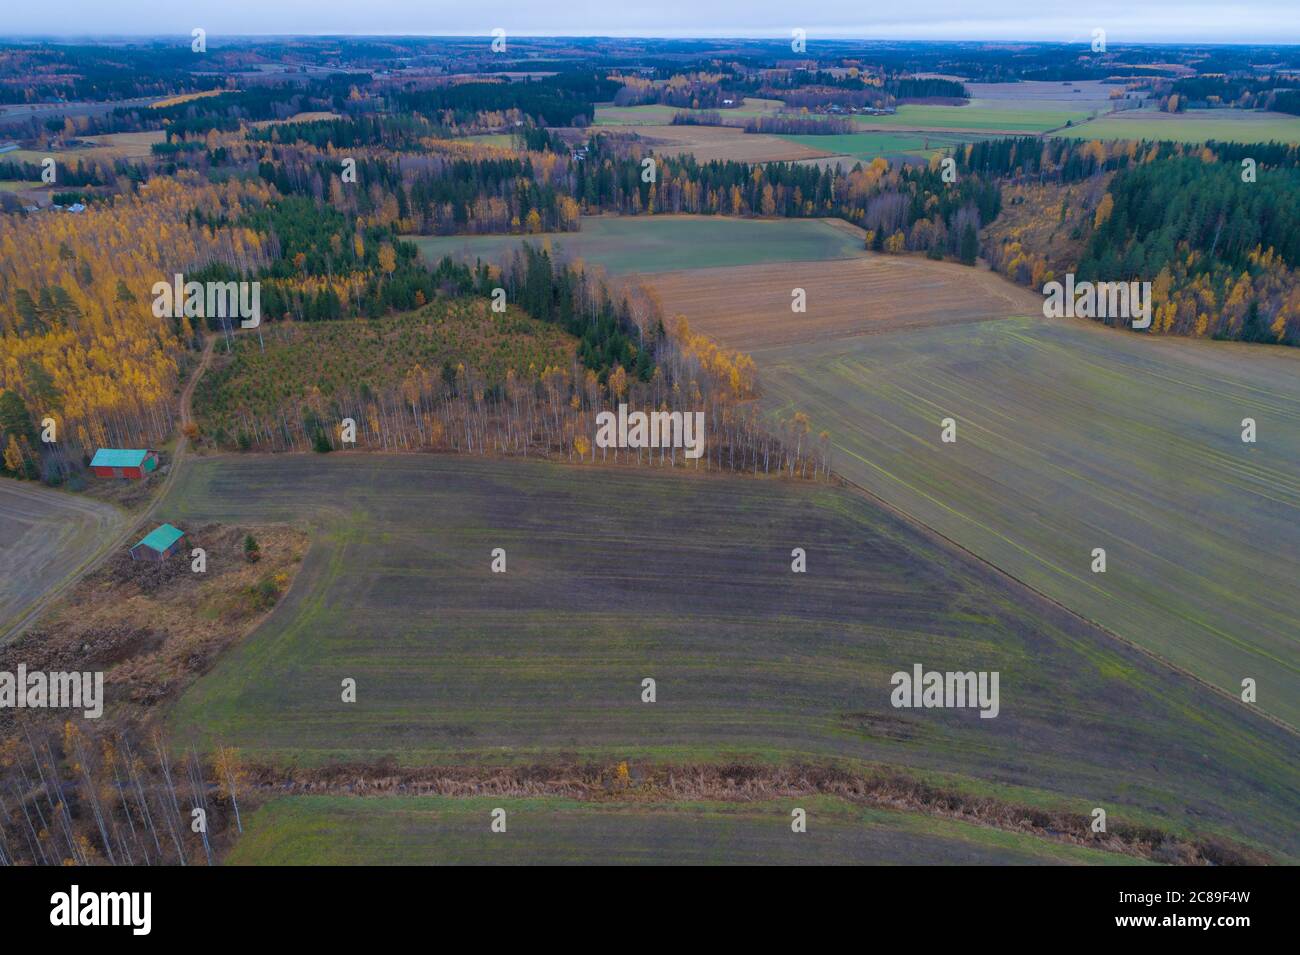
500	140
993	115
1073	436
980	115
645	244
619	575
1194	126
399	830
651	114
654	114
869	146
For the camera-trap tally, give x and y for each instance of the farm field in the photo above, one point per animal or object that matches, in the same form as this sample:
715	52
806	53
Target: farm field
748	306
864	147
647	114
665	243
500	140
707	143
186	98
457	665
1076	96
1195	126
105	147
1073	436
36	155
310	116
431	830
121	145
656	113
47	535
20	112
978	116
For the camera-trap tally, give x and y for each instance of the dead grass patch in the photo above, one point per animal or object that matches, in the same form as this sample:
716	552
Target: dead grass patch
154	628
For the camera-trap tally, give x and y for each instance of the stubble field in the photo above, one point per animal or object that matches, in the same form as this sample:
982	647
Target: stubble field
707	143
749	307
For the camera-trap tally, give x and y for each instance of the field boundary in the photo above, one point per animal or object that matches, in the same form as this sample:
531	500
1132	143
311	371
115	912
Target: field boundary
740	783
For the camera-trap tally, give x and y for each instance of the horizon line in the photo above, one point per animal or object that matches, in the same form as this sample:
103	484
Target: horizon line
533	35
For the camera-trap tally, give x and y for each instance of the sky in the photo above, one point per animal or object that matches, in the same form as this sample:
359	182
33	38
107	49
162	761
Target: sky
1200	21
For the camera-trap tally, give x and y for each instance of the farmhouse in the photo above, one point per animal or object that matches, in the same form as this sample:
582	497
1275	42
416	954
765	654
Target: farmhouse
159	544
119	462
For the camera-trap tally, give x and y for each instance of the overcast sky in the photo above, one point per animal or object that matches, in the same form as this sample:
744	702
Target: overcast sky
1267	21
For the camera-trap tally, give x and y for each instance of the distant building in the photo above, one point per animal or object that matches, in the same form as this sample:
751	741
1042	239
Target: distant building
120	463
76	207
159	544
8	148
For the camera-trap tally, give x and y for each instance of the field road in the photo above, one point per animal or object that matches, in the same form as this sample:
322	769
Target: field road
45	565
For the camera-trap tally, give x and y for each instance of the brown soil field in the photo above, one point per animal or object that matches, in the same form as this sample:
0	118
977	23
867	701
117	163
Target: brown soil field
748	306
723	142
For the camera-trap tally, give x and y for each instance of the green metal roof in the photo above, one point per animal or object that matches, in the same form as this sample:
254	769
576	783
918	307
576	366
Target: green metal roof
161	537
117	458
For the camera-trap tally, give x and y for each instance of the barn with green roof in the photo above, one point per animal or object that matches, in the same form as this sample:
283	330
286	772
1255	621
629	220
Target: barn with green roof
159	544
123	462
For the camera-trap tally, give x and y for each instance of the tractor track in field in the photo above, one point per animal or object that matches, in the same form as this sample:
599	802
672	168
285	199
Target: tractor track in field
131	526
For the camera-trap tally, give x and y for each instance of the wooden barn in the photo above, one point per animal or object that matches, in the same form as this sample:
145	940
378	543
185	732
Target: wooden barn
122	463
159	544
